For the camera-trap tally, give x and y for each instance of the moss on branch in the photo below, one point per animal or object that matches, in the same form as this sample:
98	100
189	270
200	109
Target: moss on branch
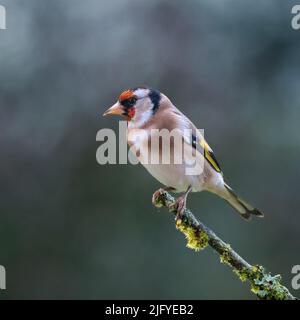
262	284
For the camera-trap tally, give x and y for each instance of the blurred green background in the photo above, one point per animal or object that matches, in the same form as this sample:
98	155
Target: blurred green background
70	228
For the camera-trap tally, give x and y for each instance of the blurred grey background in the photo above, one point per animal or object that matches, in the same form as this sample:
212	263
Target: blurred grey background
70	228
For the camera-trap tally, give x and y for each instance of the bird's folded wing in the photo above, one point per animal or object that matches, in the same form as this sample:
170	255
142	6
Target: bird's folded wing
196	140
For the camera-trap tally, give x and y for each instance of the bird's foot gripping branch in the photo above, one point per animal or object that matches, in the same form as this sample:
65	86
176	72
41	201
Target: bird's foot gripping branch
263	284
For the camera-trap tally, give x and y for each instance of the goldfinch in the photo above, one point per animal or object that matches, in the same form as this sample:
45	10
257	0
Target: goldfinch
149	110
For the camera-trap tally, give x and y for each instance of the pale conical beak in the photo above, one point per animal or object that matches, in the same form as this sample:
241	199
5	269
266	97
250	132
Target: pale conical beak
116	109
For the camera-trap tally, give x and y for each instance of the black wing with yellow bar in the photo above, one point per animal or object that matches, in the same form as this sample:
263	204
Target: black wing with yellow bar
207	152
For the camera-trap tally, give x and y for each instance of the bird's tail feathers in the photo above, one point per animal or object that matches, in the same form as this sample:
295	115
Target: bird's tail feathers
243	208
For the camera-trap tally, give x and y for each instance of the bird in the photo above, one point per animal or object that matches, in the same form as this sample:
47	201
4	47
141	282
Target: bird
148	110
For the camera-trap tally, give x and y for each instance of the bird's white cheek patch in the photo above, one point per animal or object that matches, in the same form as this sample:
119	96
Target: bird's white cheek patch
140	119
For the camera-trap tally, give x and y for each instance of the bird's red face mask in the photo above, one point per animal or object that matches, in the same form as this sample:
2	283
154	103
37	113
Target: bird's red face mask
125	106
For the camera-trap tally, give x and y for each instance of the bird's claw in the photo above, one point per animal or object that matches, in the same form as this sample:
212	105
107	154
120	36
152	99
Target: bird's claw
156	196
180	206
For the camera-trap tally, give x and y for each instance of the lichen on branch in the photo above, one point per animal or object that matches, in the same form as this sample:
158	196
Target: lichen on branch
196	239
262	283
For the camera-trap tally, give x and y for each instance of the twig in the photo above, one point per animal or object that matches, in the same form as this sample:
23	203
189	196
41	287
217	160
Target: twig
263	284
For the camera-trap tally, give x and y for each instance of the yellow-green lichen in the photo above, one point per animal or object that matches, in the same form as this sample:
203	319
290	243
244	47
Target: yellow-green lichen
266	286
226	257
196	239
242	274
263	284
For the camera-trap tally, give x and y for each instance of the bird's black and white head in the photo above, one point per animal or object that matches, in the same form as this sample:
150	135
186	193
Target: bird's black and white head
137	105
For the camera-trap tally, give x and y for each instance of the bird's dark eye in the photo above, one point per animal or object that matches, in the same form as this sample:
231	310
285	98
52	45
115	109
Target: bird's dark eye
129	102
132	100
